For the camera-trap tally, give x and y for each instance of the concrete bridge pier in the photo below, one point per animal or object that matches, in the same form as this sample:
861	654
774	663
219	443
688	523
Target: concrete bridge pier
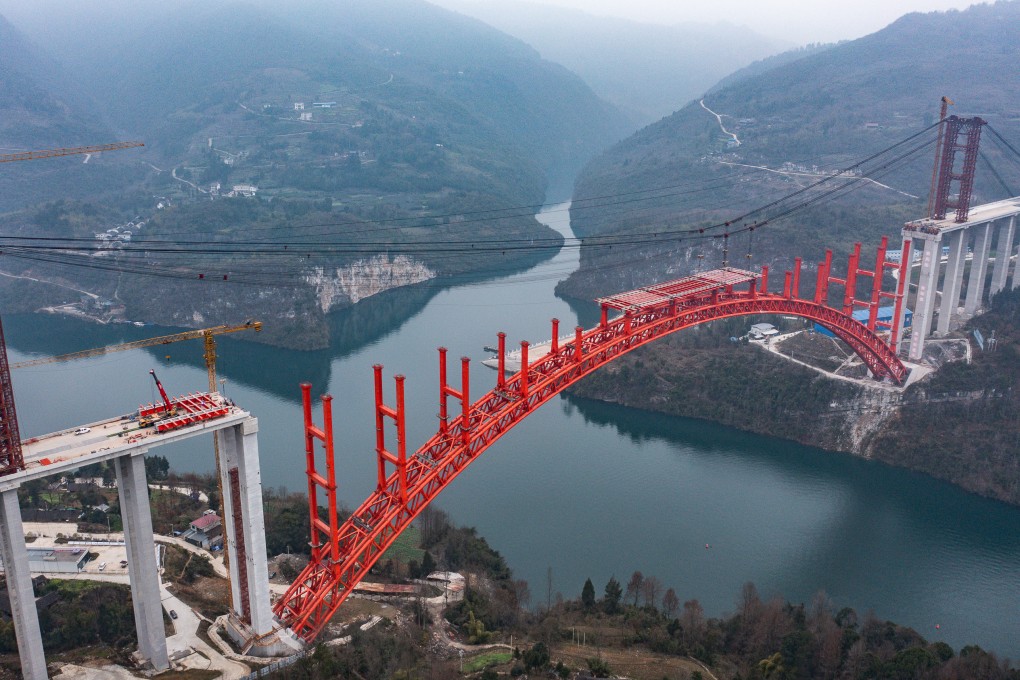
953	281
924	308
1003	249
141	555
978	269
19	587
251	623
1016	269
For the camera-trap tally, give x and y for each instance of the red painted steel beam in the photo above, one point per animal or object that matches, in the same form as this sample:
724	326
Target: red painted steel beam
317	593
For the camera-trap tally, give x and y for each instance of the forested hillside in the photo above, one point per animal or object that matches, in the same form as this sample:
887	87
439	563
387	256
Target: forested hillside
795	124
336	128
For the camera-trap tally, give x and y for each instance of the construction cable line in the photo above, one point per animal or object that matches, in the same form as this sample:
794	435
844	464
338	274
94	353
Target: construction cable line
240	247
1003	140
500	213
73	255
452	248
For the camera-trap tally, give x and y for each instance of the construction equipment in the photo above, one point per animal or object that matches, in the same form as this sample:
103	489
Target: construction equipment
168	407
946	103
205	333
208	336
70	151
11	458
162	392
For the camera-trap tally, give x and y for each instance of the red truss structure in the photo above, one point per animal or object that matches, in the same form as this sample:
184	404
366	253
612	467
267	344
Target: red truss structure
11	459
970	129
342	556
185	410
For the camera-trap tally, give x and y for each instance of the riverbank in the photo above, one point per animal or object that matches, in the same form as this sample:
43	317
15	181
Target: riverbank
957	424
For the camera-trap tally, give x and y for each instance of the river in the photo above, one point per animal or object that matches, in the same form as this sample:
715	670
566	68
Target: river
582	488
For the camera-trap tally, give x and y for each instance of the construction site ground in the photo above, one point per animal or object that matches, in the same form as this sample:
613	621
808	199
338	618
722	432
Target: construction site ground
834	358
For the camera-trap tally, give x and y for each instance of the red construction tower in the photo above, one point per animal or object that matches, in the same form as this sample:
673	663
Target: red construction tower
955	127
11	459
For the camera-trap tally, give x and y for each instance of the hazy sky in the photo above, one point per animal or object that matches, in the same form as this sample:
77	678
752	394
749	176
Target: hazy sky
801	21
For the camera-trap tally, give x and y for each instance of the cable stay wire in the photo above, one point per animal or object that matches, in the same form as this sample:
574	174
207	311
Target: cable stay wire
144	264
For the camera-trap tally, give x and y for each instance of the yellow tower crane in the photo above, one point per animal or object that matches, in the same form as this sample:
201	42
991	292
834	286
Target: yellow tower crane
207	334
70	151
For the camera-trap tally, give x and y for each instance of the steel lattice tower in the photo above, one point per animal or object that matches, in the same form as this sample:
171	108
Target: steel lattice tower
11	459
970	129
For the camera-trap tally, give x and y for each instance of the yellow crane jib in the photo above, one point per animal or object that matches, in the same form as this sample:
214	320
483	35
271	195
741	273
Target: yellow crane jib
68	151
205	333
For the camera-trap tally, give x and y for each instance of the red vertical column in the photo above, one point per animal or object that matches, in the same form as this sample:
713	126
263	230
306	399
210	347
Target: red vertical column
465	399
320	530
851	280
380	434
401	439
764	280
313	487
828	275
897	319
876	283
444	417
501	378
555	337
578	349
786	285
796	277
327	426
524	370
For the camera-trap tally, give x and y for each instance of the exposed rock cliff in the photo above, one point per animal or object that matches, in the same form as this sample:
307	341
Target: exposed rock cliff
364	278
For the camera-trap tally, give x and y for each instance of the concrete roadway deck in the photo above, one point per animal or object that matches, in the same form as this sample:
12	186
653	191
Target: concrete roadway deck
57	452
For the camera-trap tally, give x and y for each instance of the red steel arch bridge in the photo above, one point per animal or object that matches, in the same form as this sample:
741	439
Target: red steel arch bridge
342	555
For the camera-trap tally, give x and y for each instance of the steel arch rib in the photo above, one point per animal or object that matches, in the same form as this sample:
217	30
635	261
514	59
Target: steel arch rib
324	585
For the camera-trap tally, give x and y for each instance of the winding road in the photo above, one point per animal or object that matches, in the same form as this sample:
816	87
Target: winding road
721	126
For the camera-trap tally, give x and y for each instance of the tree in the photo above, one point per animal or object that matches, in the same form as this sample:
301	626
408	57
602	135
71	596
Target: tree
650	589
214	500
588	594
522	592
536	657
428	564
433	524
156	467
599	668
634	586
670	603
692	620
611	602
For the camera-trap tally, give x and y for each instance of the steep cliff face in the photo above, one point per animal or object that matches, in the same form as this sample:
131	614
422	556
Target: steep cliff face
349	284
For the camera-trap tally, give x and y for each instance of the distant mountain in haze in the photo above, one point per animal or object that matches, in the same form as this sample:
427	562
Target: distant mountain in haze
815	114
41	108
646	70
152	68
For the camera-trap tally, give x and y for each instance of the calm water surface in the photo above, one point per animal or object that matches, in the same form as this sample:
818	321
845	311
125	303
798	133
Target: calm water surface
584	488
